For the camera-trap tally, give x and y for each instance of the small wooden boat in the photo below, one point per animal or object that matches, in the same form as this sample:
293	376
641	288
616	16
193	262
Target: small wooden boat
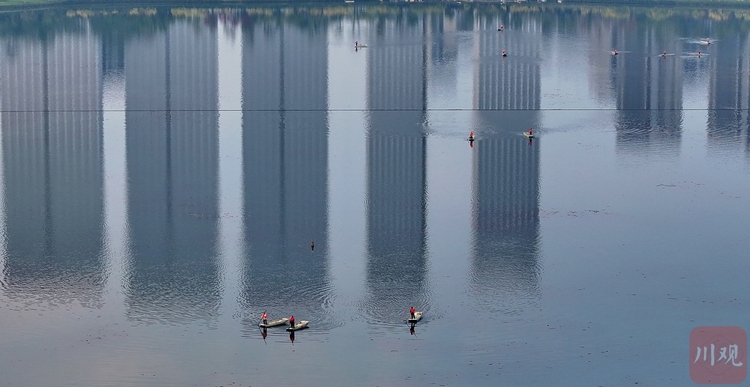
417	317
299	325
274	323
528	134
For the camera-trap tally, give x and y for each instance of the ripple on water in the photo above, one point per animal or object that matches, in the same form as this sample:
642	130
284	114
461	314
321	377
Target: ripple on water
285	283
46	283
395	282
505	272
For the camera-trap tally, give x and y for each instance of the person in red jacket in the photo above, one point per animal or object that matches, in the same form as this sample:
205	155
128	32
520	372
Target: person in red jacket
411	310
291	321
264	317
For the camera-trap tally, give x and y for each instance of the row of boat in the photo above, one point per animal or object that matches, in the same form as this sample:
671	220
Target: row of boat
302	324
529	134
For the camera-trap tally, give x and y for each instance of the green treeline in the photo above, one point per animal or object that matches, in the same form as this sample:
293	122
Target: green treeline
138	19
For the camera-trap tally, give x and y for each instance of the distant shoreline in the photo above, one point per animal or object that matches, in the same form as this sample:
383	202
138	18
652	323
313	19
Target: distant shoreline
24	5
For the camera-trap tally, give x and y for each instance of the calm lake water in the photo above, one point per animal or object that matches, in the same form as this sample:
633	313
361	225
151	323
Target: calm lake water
165	172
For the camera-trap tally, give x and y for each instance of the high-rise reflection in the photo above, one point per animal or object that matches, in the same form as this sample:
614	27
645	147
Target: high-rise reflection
649	92
728	90
505	203
52	158
172	154
396	273
285	167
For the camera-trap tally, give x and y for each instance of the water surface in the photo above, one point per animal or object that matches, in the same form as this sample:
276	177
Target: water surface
169	174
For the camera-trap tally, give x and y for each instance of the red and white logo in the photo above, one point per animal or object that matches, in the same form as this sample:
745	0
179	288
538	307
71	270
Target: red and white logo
718	355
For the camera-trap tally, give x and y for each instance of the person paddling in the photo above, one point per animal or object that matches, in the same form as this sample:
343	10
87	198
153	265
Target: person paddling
291	322
264	317
412	311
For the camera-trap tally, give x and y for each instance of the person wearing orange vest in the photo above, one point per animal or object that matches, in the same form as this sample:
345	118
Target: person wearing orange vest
264	317
411	310
291	322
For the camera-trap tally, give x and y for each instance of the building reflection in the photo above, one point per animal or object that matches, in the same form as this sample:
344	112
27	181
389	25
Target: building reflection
505	203
53	170
442	50
172	167
396	267
728	91
648	92
285	169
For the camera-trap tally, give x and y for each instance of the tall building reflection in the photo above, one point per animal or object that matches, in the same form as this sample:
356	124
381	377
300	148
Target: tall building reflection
649	92
172	167
728	90
442	50
52	159
285	168
505	203
396	268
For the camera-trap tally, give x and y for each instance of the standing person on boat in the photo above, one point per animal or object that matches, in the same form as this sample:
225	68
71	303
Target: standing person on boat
291	321
412	311
531	131
264	317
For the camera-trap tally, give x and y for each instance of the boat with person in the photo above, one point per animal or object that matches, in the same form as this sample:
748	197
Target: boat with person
274	323
417	317
297	326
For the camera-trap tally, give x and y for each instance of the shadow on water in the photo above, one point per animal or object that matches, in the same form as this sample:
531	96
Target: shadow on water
505	268
396	268
172	164
53	175
285	171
